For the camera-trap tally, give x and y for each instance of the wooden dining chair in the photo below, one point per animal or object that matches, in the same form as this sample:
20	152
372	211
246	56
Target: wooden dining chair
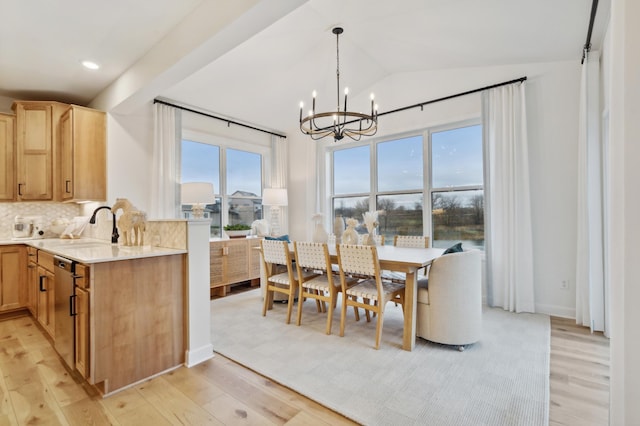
371	294
378	238
409	241
323	287
275	253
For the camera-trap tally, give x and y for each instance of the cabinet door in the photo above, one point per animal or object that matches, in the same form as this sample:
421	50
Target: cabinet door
255	261
46	300
82	331
34	156
13	292
7	170
66	156
236	261
32	281
216	257
83	167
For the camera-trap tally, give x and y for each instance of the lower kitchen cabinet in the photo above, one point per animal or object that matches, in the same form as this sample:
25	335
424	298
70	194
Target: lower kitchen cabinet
233	261
46	300
13	292
82	331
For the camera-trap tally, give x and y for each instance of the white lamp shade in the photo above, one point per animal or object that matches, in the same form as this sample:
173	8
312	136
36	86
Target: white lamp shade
275	197
197	193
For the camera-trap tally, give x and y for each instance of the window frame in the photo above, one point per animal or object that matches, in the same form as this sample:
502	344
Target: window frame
326	183
225	143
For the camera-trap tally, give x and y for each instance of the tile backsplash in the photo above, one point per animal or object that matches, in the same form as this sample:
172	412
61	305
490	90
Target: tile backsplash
161	233
49	211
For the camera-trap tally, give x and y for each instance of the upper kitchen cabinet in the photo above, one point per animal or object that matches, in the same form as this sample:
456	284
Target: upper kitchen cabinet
7	160
37	135
82	165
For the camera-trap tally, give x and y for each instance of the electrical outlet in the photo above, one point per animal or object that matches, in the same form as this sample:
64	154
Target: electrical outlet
564	284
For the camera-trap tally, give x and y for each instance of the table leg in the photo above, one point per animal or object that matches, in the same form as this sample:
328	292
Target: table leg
410	300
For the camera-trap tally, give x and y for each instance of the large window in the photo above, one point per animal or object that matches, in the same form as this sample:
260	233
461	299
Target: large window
396	188
389	176
457	196
236	177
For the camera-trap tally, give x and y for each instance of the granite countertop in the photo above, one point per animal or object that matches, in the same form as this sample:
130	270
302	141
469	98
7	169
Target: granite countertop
89	250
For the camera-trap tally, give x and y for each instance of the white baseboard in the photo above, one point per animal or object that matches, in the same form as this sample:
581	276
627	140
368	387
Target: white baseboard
195	357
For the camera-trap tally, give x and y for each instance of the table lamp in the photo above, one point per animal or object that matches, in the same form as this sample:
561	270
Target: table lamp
275	198
197	194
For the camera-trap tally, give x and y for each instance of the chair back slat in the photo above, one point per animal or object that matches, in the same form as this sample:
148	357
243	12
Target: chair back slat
358	259
275	251
311	255
411	241
379	239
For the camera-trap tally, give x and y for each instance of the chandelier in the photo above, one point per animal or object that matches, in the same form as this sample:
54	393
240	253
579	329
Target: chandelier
339	123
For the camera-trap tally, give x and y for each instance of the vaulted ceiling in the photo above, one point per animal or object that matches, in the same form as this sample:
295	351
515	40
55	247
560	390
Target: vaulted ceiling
276	55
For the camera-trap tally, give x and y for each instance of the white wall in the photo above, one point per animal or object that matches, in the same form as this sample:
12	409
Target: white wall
552	110
129	154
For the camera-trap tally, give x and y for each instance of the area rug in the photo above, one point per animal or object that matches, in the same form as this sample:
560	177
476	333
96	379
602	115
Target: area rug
501	380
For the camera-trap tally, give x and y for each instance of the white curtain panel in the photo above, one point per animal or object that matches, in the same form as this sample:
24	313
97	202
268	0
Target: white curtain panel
590	306
508	236
280	150
165	187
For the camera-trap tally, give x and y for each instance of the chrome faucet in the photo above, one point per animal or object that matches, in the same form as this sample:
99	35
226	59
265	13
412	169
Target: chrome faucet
114	230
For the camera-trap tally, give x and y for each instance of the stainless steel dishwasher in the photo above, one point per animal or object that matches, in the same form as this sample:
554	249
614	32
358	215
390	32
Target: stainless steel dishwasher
65	309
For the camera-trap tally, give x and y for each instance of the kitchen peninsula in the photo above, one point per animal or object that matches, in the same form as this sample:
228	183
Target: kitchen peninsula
128	303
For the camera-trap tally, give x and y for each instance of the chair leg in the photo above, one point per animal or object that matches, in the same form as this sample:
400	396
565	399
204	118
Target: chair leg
299	310
343	316
268	300
379	328
332	305
366	311
290	304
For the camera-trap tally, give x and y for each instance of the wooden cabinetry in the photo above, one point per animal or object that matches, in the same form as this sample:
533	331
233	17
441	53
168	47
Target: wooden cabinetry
82	320
137	320
83	172
233	261
45	286
60	153
13	291
7	159
36	142
32	281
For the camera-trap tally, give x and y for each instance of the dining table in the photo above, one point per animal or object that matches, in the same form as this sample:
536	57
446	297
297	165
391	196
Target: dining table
409	261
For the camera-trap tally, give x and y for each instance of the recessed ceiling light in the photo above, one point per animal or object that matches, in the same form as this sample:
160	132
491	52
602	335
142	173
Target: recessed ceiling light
90	65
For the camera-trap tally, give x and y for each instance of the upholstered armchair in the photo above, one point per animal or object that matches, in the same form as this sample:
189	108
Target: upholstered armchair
449	309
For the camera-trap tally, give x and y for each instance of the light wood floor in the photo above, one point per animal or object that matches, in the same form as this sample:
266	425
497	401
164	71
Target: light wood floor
35	388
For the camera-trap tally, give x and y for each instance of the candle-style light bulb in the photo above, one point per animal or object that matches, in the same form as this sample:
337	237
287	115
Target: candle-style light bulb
373	96
346	92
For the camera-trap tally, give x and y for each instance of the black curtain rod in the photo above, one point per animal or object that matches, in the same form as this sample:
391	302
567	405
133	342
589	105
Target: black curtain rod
226	120
422	104
592	19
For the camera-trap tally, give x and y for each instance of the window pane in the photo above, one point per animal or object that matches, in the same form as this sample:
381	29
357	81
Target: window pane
351	170
400	164
200	163
244	173
456	157
352	207
244	210
458	217
402	215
